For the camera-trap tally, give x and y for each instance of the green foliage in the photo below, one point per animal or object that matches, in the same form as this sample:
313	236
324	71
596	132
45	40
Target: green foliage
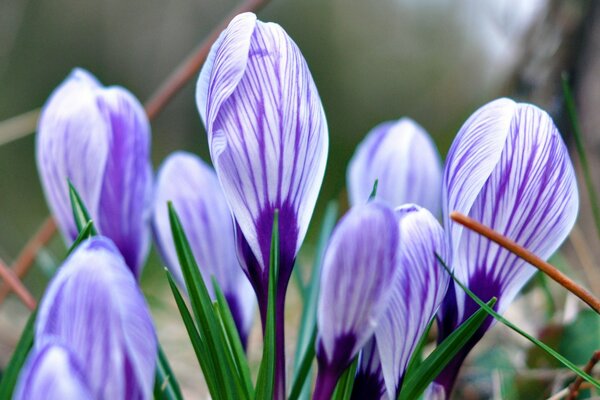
11	372
343	389
166	386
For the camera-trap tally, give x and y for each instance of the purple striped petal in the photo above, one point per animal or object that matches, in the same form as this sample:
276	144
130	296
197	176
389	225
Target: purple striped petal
95	305
267	134
52	373
194	189
369	383
509	169
418	291
99	138
359	268
403	158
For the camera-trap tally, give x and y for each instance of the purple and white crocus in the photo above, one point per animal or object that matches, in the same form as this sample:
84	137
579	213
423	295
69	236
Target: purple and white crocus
196	194
509	169
358	273
98	138
403	158
94	308
268	141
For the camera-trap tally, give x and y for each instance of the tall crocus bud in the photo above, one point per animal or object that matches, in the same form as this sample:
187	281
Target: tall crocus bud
95	306
401	156
196	194
509	169
52	373
98	138
268	141
358	273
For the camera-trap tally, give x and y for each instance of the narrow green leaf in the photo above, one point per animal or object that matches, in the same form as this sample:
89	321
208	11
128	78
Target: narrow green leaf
11	372
309	311
80	213
266	373
585	166
204	313
417	358
343	389
208	369
416	383
166	386
85	233
233	340
374	191
521	332
303	368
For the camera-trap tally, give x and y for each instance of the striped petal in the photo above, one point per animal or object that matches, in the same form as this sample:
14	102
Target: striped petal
52	373
403	158
99	139
194	189
267	133
418	291
95	305
358	273
369	383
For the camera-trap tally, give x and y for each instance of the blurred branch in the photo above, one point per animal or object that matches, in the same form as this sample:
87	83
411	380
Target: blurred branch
15	284
19	126
531	258
574	388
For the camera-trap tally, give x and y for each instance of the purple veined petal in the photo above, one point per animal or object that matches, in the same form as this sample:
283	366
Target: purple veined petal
72	143
530	195
99	138
369	383
420	285
196	194
267	134
51	372
95	305
404	159
359	268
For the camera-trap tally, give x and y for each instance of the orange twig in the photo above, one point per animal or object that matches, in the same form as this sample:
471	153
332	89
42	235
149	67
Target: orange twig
574	387
15	284
531	258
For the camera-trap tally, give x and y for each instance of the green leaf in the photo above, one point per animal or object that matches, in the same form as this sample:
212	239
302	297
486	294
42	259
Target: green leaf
80	213
521	332
225	379
374	191
304	368
343	389
266	373
308	321
11	372
166	386
581	337
585	166
416	383
417	358
85	233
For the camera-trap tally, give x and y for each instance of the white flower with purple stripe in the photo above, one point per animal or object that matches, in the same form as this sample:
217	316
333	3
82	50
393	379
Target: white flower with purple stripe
196	194
98	138
403	158
509	169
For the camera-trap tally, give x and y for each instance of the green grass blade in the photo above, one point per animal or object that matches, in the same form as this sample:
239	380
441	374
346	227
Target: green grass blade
577	134
80	213
527	336
266	373
166	386
417	358
233	340
343	389
208	369
12	370
374	190
416	383
86	233
309	312
302	372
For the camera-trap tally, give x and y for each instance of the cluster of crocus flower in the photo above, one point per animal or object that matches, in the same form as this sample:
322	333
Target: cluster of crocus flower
382	280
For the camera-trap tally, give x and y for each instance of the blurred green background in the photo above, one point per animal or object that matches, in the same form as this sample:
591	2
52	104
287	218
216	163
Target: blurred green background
433	60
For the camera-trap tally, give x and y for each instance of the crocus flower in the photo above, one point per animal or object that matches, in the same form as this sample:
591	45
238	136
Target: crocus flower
98	138
196	194
358	273
52	373
401	156
509	169
95	306
268	141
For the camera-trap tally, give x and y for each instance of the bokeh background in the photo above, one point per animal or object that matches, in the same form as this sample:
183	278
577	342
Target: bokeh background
433	60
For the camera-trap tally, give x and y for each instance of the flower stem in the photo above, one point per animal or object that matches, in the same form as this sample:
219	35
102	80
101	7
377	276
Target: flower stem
326	380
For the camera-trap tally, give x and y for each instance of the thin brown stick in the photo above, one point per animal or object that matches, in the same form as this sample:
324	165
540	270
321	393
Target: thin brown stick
574	387
565	392
531	258
8	276
188	68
